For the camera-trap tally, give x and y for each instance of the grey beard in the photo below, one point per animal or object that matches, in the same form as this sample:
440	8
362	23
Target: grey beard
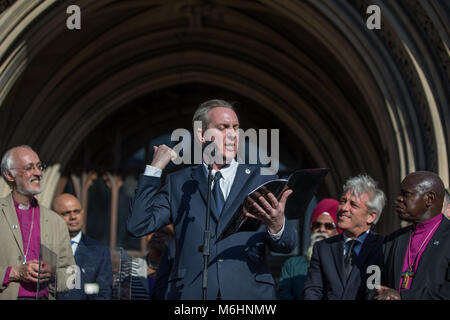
27	192
314	238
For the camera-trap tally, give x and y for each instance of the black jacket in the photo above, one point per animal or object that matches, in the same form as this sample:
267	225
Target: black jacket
326	274
432	278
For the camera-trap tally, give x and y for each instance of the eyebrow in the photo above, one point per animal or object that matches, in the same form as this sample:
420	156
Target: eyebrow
69	211
352	202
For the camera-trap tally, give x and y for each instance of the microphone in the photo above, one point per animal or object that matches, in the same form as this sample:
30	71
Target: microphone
209	152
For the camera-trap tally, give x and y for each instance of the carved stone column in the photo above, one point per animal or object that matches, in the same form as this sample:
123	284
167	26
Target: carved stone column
114	182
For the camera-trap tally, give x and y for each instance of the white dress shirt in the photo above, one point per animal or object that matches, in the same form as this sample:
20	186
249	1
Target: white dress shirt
228	174
76	240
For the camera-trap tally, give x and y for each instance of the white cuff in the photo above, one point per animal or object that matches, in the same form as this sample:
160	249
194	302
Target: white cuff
152	171
279	234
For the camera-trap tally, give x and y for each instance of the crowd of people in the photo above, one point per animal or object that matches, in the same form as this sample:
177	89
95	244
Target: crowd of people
45	255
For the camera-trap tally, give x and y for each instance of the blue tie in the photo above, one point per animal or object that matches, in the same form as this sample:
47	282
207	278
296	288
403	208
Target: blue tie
217	192
349	256
72	242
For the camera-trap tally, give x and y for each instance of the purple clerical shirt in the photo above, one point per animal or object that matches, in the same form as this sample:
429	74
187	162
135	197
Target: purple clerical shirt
421	232
25	217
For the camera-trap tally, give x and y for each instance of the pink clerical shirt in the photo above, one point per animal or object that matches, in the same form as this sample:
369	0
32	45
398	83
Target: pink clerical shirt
25	217
421	232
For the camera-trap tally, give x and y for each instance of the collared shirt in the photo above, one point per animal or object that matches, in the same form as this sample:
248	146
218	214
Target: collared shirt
228	173
26	221
360	240
421	232
75	241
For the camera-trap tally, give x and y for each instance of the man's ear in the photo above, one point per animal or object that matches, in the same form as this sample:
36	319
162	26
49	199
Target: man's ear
372	217
430	196
199	135
9	177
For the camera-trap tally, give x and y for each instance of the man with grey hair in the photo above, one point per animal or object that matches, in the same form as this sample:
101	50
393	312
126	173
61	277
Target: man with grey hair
25	226
237	267
338	265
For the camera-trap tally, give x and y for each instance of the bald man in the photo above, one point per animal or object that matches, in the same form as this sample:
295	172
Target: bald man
417	258
91	256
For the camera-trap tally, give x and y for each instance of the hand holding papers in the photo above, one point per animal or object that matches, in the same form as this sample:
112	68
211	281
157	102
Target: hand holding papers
262	205
303	183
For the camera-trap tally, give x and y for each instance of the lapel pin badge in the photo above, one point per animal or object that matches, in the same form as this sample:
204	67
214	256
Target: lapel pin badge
436	243
15	226
247	171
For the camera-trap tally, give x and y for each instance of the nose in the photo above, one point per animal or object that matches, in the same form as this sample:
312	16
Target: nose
322	228
73	215
344	206
232	132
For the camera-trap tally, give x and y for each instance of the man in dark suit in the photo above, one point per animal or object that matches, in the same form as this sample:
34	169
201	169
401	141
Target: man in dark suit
237	268
338	267
417	258
91	256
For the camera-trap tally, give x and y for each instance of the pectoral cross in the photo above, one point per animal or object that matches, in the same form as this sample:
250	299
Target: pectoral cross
406	276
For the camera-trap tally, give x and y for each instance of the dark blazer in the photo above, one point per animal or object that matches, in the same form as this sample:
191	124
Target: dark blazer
432	279
237	263
94	260
162	275
326	274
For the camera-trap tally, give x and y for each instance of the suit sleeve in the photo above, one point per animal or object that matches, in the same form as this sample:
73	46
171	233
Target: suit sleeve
65	259
105	276
313	289
162	276
286	243
150	208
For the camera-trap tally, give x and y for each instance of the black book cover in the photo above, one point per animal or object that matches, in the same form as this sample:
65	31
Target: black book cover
304	184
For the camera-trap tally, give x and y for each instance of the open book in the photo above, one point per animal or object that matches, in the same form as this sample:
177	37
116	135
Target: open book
304	184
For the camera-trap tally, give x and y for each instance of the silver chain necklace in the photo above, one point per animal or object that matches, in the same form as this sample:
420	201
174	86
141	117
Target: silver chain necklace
29	238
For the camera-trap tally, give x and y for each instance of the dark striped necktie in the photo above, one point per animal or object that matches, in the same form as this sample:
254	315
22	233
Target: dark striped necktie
217	192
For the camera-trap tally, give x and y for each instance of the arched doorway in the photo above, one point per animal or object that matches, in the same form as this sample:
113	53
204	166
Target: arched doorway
352	99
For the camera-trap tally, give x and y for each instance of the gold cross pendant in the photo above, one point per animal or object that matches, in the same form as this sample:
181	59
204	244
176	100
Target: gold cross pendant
406	277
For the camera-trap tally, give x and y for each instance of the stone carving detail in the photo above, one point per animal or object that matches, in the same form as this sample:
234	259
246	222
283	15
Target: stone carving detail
433	37
388	35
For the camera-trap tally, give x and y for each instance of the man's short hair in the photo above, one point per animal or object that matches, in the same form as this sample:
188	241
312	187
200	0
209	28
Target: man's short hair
7	162
201	114
363	183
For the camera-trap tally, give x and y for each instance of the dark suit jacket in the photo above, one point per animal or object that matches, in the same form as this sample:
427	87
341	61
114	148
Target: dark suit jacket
94	260
162	275
432	279
237	263
326	274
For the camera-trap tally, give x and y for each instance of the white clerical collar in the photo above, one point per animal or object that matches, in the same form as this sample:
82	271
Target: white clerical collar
24	207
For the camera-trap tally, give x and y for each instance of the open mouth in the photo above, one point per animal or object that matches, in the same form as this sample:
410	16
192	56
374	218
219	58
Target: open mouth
35	180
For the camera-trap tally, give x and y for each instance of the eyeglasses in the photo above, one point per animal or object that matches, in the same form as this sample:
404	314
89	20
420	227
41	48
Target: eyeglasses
40	166
328	225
